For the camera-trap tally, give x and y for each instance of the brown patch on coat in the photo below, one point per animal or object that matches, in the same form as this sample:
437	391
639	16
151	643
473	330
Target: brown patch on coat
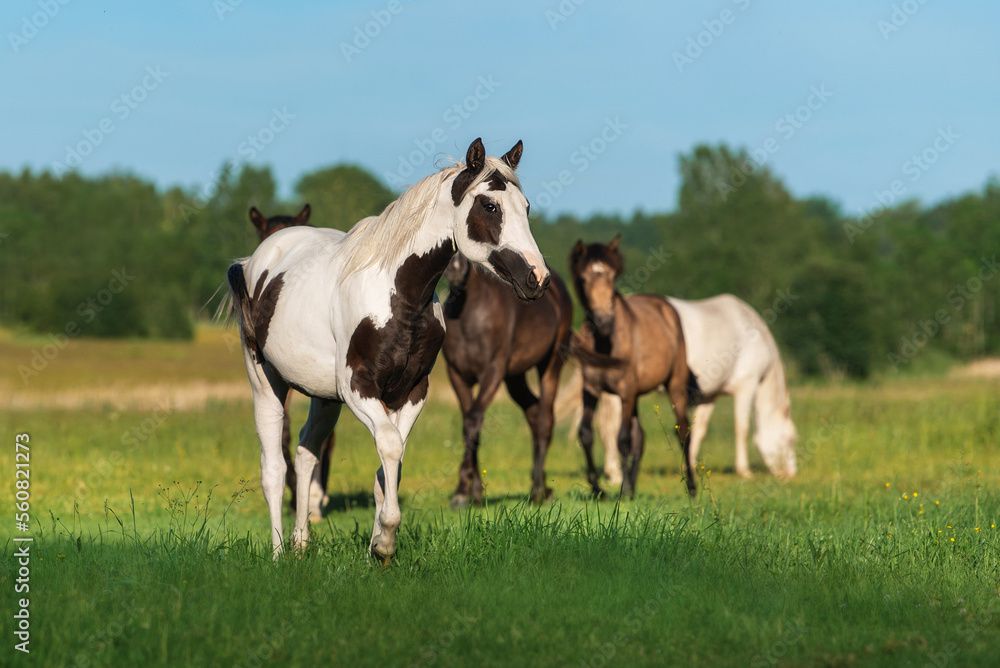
391	363
483	223
497	181
255	312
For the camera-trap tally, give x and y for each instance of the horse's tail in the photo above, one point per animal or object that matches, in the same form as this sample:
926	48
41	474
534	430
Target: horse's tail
238	304
590	357
694	392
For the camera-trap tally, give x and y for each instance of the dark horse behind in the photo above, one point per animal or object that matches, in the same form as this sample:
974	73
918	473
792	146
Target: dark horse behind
317	491
627	346
492	337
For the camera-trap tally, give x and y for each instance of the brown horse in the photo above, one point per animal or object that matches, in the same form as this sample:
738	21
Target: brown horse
491	336
627	346
317	497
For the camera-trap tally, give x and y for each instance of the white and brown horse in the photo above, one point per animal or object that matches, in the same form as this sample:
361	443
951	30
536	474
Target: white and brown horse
353	319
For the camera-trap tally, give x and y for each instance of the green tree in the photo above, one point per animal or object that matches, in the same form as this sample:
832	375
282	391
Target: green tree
341	196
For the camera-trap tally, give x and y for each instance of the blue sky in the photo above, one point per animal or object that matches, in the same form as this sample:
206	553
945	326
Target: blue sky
199	78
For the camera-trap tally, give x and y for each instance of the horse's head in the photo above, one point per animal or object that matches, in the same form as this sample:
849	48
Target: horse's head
268	226
776	438
595	268
457	272
491	221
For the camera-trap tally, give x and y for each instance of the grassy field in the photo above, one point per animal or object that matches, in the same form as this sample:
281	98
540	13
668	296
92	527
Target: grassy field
151	533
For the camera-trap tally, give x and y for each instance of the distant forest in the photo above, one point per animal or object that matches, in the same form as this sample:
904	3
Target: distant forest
899	287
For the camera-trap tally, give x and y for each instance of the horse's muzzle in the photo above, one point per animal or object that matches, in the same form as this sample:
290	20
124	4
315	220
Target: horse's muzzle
529	282
604	323
536	289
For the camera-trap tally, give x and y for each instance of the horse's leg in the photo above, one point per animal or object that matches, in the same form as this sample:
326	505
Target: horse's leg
742	403
630	454
608	419
517	386
322	475
548	385
463	391
469	479
699	427
677	390
389	445
286	441
323	415
638	437
586	434
269	394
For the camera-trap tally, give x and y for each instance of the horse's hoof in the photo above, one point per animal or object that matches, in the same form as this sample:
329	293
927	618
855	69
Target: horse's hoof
744	473
541	495
459	501
380	558
599	494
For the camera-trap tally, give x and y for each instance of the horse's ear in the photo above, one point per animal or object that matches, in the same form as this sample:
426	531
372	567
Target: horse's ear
579	250
475	157
513	156
613	246
303	217
258	219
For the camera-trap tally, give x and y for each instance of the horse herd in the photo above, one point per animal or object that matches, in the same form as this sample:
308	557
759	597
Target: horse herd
353	318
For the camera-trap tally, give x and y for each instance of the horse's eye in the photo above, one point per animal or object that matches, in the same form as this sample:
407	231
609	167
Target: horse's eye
490	206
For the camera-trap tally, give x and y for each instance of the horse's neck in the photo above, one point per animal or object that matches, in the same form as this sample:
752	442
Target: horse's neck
418	275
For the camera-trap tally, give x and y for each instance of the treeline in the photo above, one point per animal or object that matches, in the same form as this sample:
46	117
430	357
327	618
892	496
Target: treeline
115	257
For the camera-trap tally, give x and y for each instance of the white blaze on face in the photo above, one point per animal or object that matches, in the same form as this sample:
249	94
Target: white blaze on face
516	232
599	284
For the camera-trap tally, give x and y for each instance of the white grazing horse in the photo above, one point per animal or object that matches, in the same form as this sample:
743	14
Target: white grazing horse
353	319
730	351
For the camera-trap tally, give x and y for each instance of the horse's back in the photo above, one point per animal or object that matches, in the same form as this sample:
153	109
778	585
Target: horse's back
284	248
658	340
728	343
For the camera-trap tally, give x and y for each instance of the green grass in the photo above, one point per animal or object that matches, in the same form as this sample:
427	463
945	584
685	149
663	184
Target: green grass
154	550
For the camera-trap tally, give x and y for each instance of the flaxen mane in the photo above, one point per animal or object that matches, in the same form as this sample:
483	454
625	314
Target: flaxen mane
387	239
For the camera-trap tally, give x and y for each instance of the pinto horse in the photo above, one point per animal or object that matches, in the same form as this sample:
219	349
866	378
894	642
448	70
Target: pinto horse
732	352
317	489
353	319
627	346
491	337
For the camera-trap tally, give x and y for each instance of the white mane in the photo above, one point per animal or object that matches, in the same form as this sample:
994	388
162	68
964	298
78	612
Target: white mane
387	239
